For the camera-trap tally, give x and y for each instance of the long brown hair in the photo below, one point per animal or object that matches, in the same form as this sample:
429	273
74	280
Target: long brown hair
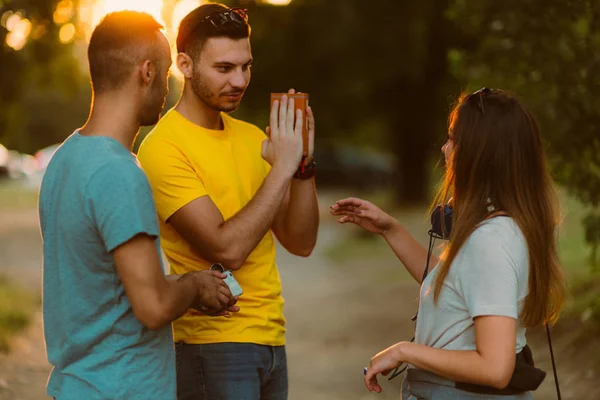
498	154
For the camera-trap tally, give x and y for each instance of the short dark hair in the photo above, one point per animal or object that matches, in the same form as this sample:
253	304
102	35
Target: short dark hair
120	41
195	30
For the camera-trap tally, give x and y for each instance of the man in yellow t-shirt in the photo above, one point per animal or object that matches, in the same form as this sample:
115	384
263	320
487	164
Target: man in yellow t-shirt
222	189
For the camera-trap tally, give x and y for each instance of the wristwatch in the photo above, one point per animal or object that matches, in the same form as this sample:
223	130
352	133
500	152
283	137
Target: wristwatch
306	171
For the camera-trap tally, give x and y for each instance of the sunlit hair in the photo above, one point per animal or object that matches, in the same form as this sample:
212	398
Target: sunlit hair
194	29
121	40
498	154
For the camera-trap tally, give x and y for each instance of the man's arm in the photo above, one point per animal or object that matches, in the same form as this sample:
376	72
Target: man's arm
230	242
155	300
297	221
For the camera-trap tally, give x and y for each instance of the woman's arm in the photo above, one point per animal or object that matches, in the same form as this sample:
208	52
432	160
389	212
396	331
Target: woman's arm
491	364
371	218
408	250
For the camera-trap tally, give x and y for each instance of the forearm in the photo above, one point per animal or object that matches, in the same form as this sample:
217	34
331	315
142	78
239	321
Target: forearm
172	299
301	219
409	251
176	297
242	233
459	366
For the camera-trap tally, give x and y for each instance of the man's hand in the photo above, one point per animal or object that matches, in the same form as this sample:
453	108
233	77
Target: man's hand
219	313
213	292
284	147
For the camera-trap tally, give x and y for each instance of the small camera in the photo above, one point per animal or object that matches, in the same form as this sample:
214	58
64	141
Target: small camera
234	286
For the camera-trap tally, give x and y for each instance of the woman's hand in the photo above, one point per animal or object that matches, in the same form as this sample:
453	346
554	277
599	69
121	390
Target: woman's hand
383	363
362	213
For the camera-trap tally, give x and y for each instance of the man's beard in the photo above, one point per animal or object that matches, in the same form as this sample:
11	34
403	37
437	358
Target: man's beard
154	106
204	93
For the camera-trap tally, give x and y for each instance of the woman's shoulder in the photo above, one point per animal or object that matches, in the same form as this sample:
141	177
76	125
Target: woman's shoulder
502	227
497	237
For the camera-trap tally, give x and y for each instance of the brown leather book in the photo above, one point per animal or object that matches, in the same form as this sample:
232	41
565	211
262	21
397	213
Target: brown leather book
300	103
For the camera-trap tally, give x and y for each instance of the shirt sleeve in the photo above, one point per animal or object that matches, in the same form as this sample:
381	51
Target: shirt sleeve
174	181
121	203
488	274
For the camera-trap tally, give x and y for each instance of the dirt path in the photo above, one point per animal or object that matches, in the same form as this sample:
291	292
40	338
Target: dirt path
24	372
338	317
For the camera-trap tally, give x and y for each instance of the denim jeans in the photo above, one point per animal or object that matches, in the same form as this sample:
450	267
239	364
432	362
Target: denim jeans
231	371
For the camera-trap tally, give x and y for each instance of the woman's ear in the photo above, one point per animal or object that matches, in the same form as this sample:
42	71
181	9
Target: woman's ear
185	65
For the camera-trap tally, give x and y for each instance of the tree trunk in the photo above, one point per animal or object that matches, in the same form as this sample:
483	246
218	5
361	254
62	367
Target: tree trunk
422	108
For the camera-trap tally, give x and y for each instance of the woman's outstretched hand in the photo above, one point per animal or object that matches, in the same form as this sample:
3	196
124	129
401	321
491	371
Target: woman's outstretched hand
362	213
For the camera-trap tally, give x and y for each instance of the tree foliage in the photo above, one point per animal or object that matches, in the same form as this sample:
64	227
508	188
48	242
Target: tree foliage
380	73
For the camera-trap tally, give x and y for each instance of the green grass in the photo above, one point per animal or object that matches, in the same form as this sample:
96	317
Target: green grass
16	196
16	310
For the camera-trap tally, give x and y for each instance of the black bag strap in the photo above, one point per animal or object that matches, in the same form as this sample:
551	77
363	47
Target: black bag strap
553	363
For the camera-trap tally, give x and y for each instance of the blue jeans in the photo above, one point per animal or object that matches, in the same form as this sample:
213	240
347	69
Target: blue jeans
231	371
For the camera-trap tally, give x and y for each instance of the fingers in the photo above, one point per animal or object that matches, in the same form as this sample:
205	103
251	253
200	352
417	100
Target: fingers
223	299
224	289
289	118
268	130
346	209
274	120
363	211
350	201
348	218
218	274
310	121
299	123
371	379
264	150
292	91
212	312
281	123
358	214
233	301
371	382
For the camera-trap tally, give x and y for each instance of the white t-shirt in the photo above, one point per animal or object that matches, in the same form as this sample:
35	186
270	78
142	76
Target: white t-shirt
489	276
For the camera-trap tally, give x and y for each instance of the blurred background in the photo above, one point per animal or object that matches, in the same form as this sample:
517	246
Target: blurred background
382	76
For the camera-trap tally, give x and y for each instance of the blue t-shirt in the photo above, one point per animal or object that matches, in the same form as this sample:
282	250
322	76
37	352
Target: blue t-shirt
95	197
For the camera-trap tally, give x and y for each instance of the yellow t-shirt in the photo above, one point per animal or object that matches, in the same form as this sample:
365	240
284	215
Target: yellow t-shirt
183	162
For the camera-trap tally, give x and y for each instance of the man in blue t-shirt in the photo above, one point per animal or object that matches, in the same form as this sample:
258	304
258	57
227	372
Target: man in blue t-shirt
107	304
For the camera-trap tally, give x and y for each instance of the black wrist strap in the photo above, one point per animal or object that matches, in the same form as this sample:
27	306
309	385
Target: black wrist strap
306	170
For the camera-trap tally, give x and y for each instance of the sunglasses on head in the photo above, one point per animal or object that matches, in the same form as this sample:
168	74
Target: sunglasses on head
478	97
222	17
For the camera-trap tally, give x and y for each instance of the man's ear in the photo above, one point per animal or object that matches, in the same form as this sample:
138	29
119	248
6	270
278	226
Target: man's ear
185	65
147	72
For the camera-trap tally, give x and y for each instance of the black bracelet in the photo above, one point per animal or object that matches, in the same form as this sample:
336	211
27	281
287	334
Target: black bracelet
306	170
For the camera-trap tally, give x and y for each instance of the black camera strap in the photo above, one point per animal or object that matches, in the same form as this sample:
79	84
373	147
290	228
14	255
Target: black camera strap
432	236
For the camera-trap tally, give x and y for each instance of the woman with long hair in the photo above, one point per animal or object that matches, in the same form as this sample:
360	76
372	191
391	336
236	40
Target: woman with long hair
499	273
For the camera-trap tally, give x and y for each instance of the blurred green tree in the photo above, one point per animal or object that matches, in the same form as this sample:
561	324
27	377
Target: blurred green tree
548	53
376	72
44	94
379	73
